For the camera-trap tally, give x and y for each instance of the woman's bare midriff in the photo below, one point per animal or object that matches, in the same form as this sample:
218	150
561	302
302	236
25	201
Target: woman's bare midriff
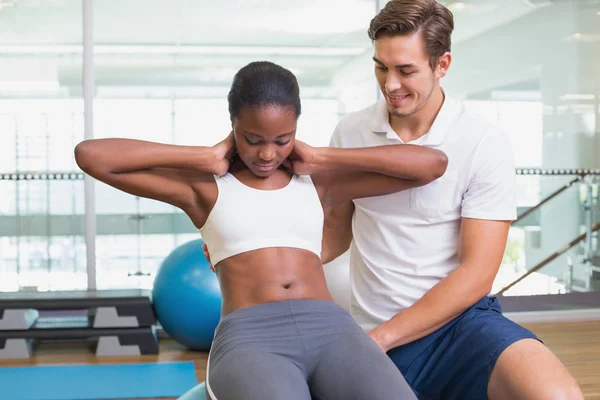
270	275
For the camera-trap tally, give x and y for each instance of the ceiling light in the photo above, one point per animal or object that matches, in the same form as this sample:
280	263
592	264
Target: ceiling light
583	37
458	6
8	4
578	96
185	50
30	86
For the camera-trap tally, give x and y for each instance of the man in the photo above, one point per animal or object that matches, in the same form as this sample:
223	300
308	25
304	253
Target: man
423	261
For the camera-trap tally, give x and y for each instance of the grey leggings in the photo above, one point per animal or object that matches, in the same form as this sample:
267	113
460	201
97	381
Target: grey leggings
298	350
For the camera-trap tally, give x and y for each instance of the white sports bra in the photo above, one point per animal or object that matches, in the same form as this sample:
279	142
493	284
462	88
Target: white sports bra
245	219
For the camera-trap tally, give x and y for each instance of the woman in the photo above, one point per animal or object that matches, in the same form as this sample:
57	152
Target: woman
257	198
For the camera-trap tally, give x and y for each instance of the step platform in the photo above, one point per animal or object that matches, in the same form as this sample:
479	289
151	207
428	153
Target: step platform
120	323
107	309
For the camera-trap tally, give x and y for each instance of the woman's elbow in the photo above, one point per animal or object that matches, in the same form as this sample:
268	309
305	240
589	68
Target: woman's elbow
81	154
439	164
85	156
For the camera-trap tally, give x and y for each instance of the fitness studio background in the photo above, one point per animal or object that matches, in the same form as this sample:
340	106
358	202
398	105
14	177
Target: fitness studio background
162	71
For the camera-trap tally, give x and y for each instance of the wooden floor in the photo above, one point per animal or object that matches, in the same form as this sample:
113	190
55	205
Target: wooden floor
576	344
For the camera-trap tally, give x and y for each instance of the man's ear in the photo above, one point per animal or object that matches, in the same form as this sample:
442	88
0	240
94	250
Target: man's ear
443	65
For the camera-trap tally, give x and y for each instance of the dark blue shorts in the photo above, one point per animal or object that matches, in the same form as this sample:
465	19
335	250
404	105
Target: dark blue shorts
455	362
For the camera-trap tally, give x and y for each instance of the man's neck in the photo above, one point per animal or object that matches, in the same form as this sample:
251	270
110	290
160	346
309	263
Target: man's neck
415	126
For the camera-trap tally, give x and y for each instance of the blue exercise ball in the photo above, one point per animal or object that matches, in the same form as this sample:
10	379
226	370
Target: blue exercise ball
196	393
187	297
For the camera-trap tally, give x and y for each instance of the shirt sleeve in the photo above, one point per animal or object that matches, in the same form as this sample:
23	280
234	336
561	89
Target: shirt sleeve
491	191
336	138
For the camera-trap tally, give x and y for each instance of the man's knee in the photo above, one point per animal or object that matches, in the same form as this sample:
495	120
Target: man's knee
563	389
567	389
529	370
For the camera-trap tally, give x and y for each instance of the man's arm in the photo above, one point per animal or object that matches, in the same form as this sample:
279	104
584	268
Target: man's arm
488	207
482	245
337	230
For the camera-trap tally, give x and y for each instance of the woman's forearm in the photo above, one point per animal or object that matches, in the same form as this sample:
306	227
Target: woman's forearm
401	161
127	155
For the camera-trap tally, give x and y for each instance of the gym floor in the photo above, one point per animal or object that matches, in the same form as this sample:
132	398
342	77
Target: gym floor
577	344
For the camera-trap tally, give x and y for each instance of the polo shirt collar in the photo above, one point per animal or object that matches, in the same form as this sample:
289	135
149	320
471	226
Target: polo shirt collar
449	111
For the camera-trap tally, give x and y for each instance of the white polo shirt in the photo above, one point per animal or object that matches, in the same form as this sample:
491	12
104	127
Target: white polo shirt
405	243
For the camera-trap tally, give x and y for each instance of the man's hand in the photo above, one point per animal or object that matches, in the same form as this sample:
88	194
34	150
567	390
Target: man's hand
301	160
224	150
207	256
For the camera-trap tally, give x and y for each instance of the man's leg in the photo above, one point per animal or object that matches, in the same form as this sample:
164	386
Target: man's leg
528	370
482	353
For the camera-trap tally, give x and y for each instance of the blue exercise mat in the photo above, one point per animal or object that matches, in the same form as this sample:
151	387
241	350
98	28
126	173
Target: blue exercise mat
94	382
